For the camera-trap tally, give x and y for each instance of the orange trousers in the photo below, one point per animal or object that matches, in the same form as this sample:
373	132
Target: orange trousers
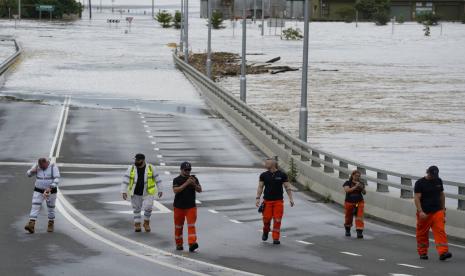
435	221
180	215
274	209
350	213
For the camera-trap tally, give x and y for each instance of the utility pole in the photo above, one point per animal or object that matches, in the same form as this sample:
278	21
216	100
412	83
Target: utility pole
153	9
209	46
181	38
243	94
263	17
254	11
90	9
19	9
303	113
186	31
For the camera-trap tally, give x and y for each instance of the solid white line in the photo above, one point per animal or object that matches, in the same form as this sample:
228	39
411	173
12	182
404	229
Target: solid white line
65	118
16	163
350	253
213	211
409	265
61	200
235	221
57	132
304	242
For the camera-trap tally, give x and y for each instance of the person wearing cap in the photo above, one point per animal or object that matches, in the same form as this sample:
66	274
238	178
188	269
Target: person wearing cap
272	184
45	188
431	213
141	183
185	186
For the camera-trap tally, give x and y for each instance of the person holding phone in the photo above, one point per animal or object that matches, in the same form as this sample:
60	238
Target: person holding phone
45	188
354	203
185	187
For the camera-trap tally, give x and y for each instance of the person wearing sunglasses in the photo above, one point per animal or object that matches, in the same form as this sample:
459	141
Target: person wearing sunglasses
185	187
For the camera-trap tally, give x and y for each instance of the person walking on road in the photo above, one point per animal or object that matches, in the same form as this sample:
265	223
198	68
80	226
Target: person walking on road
271	184
185	187
141	183
431	214
45	188
354	204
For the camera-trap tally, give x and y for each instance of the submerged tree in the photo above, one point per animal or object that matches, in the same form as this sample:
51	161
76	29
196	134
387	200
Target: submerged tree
217	20
164	18
177	20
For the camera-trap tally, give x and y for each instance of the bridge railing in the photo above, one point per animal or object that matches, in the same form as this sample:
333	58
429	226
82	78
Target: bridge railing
12	58
329	163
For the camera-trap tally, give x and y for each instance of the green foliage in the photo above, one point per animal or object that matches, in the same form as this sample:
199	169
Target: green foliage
28	9
164	18
427	30
346	13
293	172
400	20
292	34
177	20
217	20
376	10
428	18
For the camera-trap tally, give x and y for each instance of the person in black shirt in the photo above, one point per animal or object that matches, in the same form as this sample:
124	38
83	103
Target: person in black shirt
354	204
184	187
431	212
273	181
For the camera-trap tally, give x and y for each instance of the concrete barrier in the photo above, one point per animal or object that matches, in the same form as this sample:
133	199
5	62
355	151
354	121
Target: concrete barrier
323	172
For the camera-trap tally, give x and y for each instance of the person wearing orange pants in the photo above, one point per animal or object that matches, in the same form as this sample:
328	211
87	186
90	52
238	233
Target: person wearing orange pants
431	214
185	186
271	184
354	204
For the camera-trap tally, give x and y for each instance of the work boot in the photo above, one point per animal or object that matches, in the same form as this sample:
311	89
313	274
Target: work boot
347	231
147	225
423	257
445	256
193	247
359	234
50	227
137	227
276	242
30	226
179	247
265	236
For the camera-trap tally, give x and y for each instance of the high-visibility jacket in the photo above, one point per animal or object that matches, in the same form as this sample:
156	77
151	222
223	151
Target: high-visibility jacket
152	182
48	178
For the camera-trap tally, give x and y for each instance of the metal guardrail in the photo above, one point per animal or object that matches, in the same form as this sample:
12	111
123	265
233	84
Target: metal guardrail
328	162
12	58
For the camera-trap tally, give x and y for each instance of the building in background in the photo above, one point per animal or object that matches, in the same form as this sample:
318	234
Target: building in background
334	10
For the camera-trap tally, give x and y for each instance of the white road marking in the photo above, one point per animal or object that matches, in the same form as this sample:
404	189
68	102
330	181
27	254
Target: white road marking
198	201
146	126
148	131
65	118
304	242
167	173
162	164
144	122
156	149
161	208
350	253
213	211
150	136
411	266
381	260
235	221
154	143
358	275
397	274
120	202
16	164
58	134
159	156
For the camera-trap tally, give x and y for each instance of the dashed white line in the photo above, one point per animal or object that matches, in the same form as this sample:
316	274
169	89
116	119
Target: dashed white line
162	164
159	155
198	201
411	266
146	126
213	211
381	260
235	221
148	131
398	274
167	173
150	136
304	242
350	253
156	149
153	142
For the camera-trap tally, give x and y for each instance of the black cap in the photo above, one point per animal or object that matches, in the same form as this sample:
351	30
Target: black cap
186	165
139	156
433	171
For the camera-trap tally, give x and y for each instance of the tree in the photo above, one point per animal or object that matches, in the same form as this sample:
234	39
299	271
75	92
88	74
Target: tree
428	18
29	7
376	10
177	19
292	34
164	18
346	13
381	18
217	20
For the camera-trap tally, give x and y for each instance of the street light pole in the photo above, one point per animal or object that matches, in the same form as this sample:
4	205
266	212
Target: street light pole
19	9
263	17
209	47
254	11
186	31
181	38
303	113
90	9
243	94
153	9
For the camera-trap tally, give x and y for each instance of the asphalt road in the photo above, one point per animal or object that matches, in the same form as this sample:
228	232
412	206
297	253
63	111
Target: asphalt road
94	233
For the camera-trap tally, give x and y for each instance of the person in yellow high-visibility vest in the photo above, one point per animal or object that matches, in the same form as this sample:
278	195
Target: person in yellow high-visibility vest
141	183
